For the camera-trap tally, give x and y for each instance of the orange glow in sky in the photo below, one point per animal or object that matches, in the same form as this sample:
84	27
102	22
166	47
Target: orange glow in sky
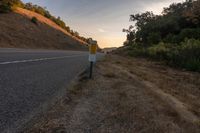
103	20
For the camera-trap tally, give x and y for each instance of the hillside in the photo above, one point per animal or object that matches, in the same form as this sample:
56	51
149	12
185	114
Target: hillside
17	30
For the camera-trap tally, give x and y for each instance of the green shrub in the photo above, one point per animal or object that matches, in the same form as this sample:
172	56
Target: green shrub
190	54
190	33
171	38
34	20
5	8
9	5
184	55
192	64
136	50
154	38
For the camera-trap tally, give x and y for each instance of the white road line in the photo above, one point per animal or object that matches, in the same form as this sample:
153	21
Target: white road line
40	59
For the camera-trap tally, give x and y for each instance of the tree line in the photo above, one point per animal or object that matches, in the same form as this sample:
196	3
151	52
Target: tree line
173	36
9	5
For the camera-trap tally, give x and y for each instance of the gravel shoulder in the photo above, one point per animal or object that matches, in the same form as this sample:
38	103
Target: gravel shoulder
126	95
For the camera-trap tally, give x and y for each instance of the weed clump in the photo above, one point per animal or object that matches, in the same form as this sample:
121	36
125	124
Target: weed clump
34	20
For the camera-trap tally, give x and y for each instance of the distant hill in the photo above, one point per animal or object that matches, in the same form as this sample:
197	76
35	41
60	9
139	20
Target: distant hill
18	29
107	50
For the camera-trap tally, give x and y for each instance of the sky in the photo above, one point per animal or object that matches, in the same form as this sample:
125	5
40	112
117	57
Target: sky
103	20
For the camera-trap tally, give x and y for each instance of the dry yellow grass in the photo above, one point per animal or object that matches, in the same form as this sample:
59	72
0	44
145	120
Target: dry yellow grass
45	20
17	30
120	101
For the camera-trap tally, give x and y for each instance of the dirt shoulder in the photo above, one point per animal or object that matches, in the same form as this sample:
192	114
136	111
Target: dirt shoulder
127	95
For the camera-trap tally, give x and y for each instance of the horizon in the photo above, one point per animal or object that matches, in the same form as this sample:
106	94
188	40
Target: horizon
101	20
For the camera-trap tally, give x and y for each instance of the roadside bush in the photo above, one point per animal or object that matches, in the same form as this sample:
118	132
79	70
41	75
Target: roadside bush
190	54
184	55
5	7
9	5
34	20
190	33
154	38
160	51
171	38
136	50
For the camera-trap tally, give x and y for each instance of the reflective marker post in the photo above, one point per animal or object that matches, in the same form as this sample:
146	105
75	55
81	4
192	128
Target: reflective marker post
92	55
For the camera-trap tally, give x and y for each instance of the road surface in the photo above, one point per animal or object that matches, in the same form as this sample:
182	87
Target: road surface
31	78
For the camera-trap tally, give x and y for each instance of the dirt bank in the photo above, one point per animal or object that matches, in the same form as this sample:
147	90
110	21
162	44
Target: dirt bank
18	31
127	95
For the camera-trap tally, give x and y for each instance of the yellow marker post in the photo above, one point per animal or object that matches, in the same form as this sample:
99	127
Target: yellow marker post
93	48
92	54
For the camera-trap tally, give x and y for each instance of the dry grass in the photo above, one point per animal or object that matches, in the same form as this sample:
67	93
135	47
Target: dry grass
110	75
121	99
47	21
17	30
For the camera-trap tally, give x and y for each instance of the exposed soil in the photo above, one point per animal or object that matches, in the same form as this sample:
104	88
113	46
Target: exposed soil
17	30
127	95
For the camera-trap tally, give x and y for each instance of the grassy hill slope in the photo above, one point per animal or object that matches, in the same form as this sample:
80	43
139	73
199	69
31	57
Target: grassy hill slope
17	30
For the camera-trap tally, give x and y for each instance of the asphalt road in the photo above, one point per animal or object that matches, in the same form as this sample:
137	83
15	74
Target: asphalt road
30	78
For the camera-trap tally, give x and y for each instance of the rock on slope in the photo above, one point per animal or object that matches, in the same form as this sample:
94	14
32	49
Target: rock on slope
17	30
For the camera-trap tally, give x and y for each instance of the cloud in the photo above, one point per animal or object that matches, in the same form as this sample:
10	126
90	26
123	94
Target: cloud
101	30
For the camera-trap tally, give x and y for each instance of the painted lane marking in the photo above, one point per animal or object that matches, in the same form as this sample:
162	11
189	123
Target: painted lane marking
40	59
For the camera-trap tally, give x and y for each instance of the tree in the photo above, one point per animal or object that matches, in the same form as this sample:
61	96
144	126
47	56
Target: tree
5	7
18	3
150	28
154	38
131	34
29	6
76	34
142	19
193	13
177	8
